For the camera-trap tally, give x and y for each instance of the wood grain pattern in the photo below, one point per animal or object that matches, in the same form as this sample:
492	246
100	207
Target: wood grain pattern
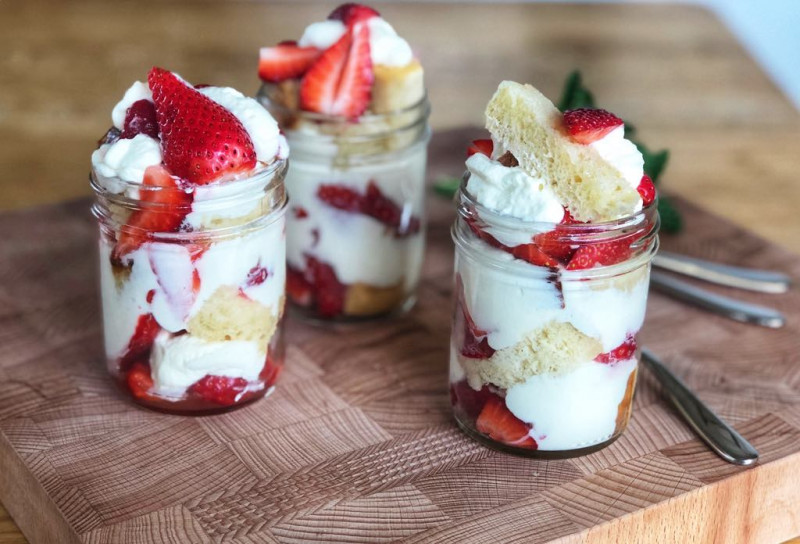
357	443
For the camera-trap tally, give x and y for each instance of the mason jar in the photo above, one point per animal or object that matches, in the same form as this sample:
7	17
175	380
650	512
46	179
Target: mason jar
356	220
192	281
544	357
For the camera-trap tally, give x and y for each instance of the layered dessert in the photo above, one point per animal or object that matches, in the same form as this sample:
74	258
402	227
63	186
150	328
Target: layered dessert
190	202
556	229
350	97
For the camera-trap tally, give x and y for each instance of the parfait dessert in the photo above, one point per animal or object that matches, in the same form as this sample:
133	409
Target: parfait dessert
556	229
190	203
350	98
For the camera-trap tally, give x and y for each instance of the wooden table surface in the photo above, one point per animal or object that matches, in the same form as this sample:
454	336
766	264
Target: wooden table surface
672	69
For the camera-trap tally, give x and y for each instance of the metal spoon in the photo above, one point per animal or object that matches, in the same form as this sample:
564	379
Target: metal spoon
751	279
729	307
721	437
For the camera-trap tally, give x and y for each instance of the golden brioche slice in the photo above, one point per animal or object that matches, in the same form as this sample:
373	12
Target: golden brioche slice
526	123
397	87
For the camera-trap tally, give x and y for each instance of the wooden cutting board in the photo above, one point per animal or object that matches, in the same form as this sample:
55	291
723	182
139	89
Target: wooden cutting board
357	444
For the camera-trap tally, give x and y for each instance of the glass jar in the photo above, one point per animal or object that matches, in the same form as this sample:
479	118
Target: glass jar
543	358
193	311
356	222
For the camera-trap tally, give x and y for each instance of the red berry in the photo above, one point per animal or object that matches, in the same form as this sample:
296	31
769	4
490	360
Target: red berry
475	344
623	352
534	255
299	212
201	141
498	423
586	125
468	400
285	61
485	147
373	204
222	390
600	254
256	276
141	342
139	380
329	292
300	291
351	14
647	190
340	80
140	119
167	204
340	197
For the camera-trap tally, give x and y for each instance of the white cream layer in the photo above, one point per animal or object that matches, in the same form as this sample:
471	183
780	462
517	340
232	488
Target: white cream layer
386	47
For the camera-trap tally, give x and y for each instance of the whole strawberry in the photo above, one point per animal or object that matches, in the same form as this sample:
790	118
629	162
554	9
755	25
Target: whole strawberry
201	141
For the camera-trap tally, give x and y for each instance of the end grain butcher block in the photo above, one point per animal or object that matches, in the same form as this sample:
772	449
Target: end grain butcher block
357	443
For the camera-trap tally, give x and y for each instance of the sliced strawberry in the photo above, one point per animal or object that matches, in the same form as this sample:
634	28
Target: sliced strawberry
140	119
600	254
141	342
373	204
498	423
166	205
256	276
300	291
340	80
485	147
285	61
464	397
586	125
340	197
647	190
350	14
329	292
201	141
552	245
623	352
222	390
475	344
139	380
534	255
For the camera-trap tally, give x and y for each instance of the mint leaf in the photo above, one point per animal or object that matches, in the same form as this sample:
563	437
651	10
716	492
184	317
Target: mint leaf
575	95
671	220
446	187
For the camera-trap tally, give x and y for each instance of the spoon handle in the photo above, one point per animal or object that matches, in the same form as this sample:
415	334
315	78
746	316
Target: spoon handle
721	437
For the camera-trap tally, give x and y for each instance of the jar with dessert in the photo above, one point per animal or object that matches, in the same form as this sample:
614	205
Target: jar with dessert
350	98
556	228
190	203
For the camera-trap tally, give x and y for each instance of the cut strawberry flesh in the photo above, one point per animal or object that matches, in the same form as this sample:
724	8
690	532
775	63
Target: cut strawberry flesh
300	291
600	254
299	212
256	276
139	380
285	61
140	119
141	343
475	343
498	423
351	13
647	190
372	203
468	400
623	352
486	147
222	390
328	291
586	125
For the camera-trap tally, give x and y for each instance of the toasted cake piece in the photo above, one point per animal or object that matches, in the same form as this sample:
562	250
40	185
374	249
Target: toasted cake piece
397	87
554	348
526	123
229	315
364	300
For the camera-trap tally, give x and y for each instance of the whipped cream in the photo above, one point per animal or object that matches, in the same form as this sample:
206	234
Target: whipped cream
177	362
573	410
257	121
138	91
622	154
125	160
386	47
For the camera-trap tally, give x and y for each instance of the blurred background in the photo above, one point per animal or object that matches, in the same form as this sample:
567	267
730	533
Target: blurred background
709	80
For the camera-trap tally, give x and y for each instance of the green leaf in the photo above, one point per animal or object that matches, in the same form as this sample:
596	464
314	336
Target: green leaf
654	162
575	95
671	220
446	187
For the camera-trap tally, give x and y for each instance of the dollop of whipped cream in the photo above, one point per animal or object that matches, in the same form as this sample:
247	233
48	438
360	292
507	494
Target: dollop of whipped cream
622	155
386	47
126	159
257	121
512	191
137	91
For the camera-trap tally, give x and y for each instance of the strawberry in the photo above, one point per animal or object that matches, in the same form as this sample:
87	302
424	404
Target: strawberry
498	423
256	276
599	254
139	380
464	397
222	390
586	125
285	61
340	80
140	119
373	204
328	291
141	342
475	344
550	244
201	141
166	205
647	190
534	255
299	212
481	146
299	290
340	197
350	14
623	352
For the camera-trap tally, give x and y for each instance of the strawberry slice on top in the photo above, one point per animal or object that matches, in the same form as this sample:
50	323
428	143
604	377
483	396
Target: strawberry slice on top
165	205
340	80
587	125
352	13
287	60
201	141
